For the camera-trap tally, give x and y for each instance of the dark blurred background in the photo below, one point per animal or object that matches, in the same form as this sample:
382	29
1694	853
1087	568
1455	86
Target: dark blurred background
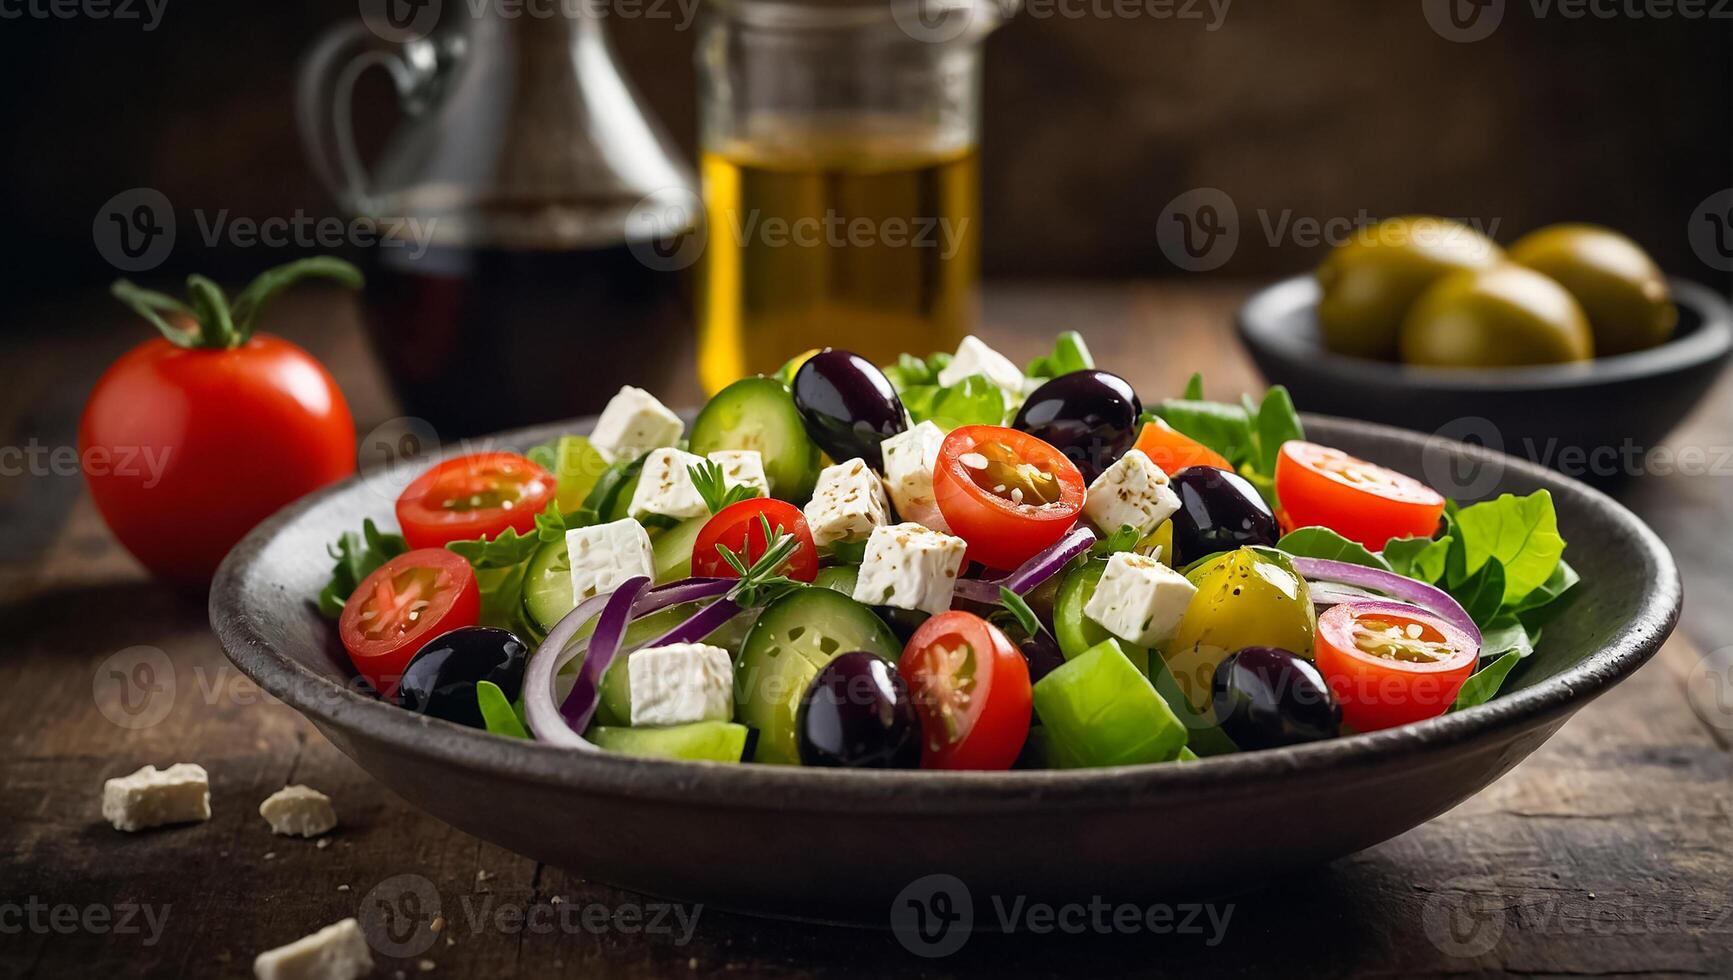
1322	109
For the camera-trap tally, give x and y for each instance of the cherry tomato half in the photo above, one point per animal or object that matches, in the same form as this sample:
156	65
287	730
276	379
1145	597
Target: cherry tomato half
1173	450
472	496
1361	501
1005	492
1391	664
405	602
738	526
971	688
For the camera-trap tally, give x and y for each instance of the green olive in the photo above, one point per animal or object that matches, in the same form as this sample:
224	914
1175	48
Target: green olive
1505	316
1244	598
1621	290
1371	282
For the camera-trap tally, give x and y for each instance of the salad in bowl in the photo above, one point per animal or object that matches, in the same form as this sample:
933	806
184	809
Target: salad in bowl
951	562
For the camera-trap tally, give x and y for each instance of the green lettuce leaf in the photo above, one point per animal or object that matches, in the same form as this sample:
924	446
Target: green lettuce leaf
357	556
1321	542
1070	354
1521	533
1485	682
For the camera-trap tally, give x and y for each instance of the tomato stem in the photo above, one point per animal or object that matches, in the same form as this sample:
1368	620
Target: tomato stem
208	320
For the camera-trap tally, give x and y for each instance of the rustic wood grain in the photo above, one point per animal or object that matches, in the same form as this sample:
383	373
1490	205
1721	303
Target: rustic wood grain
1606	853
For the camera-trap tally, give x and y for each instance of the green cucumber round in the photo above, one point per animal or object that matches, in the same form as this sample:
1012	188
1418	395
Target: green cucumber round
759	413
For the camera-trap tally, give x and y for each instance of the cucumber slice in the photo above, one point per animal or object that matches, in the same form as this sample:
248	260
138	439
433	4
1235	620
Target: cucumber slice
673	550
704	741
548	586
578	467
759	413
838	577
1078	633
1099	710
794	637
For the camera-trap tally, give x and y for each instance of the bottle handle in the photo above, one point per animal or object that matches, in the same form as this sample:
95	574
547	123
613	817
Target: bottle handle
324	100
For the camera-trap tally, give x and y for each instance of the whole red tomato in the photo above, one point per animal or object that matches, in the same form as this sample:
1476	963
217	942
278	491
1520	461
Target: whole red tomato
191	439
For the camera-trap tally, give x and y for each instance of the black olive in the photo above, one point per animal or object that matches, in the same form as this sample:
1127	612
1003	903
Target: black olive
1090	416
440	679
857	713
1266	697
1218	511
848	406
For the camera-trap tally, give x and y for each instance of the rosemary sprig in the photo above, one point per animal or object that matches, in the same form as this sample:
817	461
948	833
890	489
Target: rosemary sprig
761	580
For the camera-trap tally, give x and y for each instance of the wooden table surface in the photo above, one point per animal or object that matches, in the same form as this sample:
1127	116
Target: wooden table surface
1606	853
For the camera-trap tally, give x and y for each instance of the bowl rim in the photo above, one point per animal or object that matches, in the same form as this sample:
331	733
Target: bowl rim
791	788
1261	317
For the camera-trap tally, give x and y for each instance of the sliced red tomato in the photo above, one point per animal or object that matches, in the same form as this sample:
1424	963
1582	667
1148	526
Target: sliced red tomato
1005	492
1361	501
406	602
1173	450
1391	664
971	688
472	496
740	527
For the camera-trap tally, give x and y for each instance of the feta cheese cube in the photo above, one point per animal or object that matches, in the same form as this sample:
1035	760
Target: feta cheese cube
910	567
680	684
336	952
152	797
847	504
910	456
604	556
975	357
298	811
742	468
665	486
1132	491
632	424
1139	599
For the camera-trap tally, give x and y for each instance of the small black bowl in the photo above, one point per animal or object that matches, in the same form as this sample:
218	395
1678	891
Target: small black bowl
1594	421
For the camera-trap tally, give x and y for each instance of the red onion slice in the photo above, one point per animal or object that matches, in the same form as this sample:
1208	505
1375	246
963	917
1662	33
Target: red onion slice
581	703
1032	572
1428	597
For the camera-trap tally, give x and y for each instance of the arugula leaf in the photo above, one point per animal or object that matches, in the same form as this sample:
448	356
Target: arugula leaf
1563	579
1482	594
1485	682
509	548
918	401
1321	542
1521	533
1417	558
357	556
914	372
497	712
1194	388
711	483
1277	422
1506	634
1070	354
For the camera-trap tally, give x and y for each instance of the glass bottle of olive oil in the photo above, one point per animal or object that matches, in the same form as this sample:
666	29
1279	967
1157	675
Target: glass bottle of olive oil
840	180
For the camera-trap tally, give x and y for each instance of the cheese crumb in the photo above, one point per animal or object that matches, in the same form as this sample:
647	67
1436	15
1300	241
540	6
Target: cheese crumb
298	811
153	797
336	952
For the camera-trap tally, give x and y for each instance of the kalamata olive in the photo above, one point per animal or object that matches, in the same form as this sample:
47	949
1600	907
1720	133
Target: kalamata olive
1218	511
440	679
1090	416
858	714
1266	697
903	622
847	405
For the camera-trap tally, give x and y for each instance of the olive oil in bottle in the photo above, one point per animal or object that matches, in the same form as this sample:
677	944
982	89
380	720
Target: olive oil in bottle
844	235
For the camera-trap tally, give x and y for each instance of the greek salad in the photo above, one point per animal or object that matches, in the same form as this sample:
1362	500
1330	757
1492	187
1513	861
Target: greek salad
950	562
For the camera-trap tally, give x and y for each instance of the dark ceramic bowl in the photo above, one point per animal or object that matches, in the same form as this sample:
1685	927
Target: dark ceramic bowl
840	846
1583	419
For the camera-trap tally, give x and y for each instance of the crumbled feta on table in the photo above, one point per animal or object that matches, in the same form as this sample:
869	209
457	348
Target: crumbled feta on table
910	567
153	797
847	504
604	556
298	811
1139	599
337	952
632	424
